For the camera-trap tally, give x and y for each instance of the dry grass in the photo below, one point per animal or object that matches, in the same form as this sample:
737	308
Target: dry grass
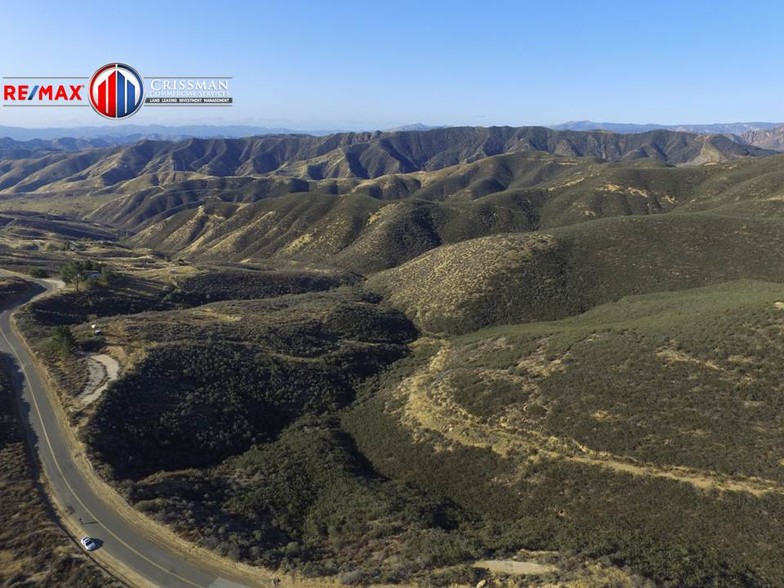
429	408
450	284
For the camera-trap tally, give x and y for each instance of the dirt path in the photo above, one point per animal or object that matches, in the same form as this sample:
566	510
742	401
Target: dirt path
102	370
515	568
429	406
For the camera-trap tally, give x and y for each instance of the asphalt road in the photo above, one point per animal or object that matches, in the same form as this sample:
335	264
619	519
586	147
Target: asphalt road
119	538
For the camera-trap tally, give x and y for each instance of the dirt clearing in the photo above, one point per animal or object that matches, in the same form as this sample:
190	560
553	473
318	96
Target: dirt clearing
102	370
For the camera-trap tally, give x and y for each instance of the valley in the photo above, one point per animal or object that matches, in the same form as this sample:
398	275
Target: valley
405	357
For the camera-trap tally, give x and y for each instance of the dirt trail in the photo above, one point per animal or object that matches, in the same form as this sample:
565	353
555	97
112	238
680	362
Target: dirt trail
515	568
429	407
102	370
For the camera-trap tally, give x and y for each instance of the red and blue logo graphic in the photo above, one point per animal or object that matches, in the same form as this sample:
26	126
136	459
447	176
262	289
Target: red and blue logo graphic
116	91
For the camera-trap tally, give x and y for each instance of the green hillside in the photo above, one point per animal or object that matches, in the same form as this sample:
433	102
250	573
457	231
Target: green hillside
645	431
517	278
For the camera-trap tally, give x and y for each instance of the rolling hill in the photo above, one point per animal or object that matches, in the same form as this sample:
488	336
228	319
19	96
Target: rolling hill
646	431
765	138
375	201
347	155
716	128
546	275
372	225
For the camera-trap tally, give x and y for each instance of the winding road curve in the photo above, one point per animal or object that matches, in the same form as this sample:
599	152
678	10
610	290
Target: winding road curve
145	561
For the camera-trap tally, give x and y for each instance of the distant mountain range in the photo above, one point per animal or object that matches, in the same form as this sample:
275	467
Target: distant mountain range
124	134
368	201
132	133
765	135
764	138
72	165
745	132
626	128
372	201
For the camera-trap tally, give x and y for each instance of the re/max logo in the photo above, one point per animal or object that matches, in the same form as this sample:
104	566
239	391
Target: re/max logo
67	92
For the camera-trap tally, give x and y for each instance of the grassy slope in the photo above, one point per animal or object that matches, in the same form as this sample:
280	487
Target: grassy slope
503	279
252	367
646	430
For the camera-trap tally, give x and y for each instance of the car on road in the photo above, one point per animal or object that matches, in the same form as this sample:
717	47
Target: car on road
88	543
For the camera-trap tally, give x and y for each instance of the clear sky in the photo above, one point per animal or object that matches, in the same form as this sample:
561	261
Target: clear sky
364	64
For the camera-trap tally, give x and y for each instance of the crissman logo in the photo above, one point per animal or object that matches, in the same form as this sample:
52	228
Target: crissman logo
116	91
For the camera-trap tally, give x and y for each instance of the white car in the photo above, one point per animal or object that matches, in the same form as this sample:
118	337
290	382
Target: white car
88	543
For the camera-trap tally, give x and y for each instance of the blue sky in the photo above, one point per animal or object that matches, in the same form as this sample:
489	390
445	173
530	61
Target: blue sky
352	64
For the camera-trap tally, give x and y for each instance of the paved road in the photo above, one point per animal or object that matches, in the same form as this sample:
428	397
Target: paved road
120	538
